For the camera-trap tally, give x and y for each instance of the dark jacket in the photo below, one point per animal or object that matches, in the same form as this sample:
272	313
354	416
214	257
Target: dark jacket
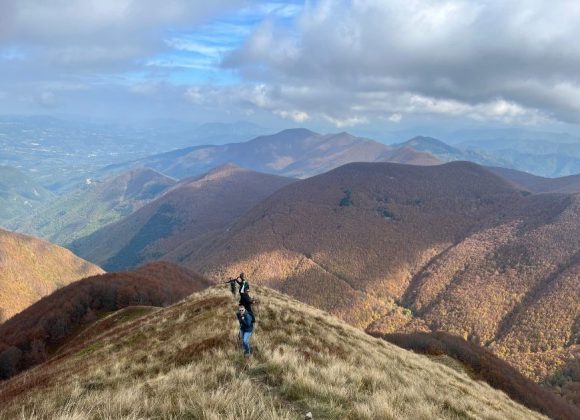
244	286
246	324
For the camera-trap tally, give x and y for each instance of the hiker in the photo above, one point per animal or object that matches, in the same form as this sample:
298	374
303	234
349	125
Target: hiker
232	282
245	298
246	329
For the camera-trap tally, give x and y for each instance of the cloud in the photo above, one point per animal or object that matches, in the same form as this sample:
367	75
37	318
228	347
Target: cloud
93	34
296	116
351	61
47	45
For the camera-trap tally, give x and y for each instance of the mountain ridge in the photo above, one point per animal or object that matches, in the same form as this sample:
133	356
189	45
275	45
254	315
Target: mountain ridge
192	208
304	360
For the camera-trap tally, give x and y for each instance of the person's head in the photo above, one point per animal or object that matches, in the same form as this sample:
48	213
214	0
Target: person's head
242	276
242	309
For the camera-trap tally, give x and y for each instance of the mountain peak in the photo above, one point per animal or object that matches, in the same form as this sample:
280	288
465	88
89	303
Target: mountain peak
289	135
429	144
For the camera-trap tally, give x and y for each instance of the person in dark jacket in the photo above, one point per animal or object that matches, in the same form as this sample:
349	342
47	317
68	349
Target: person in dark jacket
245	298
246	328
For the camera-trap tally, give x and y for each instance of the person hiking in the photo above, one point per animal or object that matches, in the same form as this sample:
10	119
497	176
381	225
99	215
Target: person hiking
232	282
246	329
245	298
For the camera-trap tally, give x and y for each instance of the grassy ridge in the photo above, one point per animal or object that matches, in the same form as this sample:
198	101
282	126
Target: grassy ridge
184	362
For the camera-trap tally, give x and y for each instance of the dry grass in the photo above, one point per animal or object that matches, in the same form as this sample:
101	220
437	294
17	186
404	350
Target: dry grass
184	362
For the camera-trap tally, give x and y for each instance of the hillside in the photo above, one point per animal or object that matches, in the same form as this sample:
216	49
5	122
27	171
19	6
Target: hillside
19	194
446	153
397	247
184	362
193	208
48	325
94	205
298	153
539	184
31	268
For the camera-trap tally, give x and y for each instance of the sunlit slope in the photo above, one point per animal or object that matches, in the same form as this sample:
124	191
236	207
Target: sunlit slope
31	268
193	208
398	247
184	362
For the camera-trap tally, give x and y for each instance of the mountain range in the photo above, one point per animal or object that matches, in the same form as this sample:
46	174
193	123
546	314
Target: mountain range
397	247
31	268
294	152
194	208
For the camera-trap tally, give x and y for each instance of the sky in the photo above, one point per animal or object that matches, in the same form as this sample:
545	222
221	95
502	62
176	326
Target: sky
360	65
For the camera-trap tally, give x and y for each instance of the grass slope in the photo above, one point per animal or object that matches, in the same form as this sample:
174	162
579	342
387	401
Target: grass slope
184	362
31	268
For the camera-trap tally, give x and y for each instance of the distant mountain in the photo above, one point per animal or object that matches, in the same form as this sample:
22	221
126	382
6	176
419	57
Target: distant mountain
539	184
541	153
193	208
389	247
94	205
447	153
63	153
295	152
184	361
432	145
54	321
31	268
19	194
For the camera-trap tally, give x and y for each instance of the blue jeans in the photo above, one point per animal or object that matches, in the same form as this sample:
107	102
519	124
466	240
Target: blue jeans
245	336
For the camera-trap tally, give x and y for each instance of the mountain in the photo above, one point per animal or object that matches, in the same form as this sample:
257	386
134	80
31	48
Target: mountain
94	205
392	247
447	153
295	152
539	184
193	208
19	194
50	324
542	153
434	146
64	152
31	268
184	362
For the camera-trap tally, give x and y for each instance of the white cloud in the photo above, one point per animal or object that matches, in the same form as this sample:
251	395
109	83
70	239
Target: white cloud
485	60
296	116
346	122
395	118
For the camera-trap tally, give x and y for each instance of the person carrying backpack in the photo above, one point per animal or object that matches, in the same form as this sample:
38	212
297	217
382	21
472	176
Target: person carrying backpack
246	328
